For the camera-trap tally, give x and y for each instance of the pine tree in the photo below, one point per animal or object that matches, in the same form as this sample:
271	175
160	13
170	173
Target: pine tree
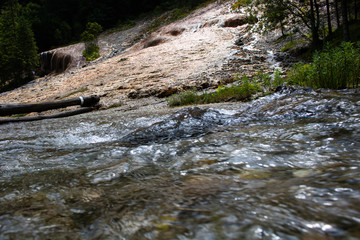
7	41
328	17
18	52
26	46
344	13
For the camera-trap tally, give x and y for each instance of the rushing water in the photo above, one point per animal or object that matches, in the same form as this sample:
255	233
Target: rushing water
285	166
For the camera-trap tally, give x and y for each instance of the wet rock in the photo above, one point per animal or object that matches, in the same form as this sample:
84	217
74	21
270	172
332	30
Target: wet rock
302	173
186	123
284	89
160	92
239	42
56	62
175	31
138	94
260	58
234	22
166	92
152	42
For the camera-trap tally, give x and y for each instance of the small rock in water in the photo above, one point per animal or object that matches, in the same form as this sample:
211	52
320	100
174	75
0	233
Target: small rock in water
303	173
284	88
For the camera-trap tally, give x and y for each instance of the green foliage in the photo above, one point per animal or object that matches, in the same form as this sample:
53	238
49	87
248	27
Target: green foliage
123	59
251	18
288	46
93	28
89	36
183	98
278	79
169	17
235	92
269	82
299	16
241	3
275	13
238	92
301	74
333	68
91	51
91	32
75	92
242	90
171	11
263	79
18	51
19	115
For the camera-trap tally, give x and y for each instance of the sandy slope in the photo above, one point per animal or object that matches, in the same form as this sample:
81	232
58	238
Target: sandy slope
198	51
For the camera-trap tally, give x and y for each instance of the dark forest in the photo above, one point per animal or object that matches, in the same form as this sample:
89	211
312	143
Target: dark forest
60	22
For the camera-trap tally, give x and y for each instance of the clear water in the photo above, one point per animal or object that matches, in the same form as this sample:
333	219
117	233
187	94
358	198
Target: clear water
285	166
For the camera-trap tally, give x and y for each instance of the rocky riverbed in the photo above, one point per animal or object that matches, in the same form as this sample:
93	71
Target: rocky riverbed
203	51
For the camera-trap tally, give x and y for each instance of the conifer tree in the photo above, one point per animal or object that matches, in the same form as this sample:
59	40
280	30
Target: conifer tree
344	13
18	52
26	46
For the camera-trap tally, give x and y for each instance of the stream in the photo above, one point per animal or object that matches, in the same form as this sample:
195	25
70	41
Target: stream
284	166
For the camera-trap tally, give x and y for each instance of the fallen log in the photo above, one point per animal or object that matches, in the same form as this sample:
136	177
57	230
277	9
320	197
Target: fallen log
11	109
37	118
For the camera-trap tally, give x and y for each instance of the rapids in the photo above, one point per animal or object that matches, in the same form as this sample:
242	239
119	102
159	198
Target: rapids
285	166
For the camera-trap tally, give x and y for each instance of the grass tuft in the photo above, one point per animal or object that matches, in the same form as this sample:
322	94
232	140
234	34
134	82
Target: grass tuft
75	92
236	92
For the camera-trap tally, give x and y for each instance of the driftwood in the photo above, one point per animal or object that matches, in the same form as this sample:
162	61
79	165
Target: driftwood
87	104
37	118
11	109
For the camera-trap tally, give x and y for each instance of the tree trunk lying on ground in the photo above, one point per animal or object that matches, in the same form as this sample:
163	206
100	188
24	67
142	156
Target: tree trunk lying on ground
37	118
11	109
87	105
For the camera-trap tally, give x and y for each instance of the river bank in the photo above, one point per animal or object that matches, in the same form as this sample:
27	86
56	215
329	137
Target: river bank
201	51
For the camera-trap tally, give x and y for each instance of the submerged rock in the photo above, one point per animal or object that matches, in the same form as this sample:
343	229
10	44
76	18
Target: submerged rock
186	123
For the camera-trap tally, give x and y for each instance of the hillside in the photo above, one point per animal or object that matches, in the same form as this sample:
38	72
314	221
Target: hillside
203	50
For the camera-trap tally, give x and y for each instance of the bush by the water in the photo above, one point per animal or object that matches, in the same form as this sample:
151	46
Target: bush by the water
235	92
333	68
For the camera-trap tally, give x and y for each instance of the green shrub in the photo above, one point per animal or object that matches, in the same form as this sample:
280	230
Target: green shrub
333	68
251	18
278	79
89	36
263	78
288	46
267	81
183	98
91	52
241	3
235	92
